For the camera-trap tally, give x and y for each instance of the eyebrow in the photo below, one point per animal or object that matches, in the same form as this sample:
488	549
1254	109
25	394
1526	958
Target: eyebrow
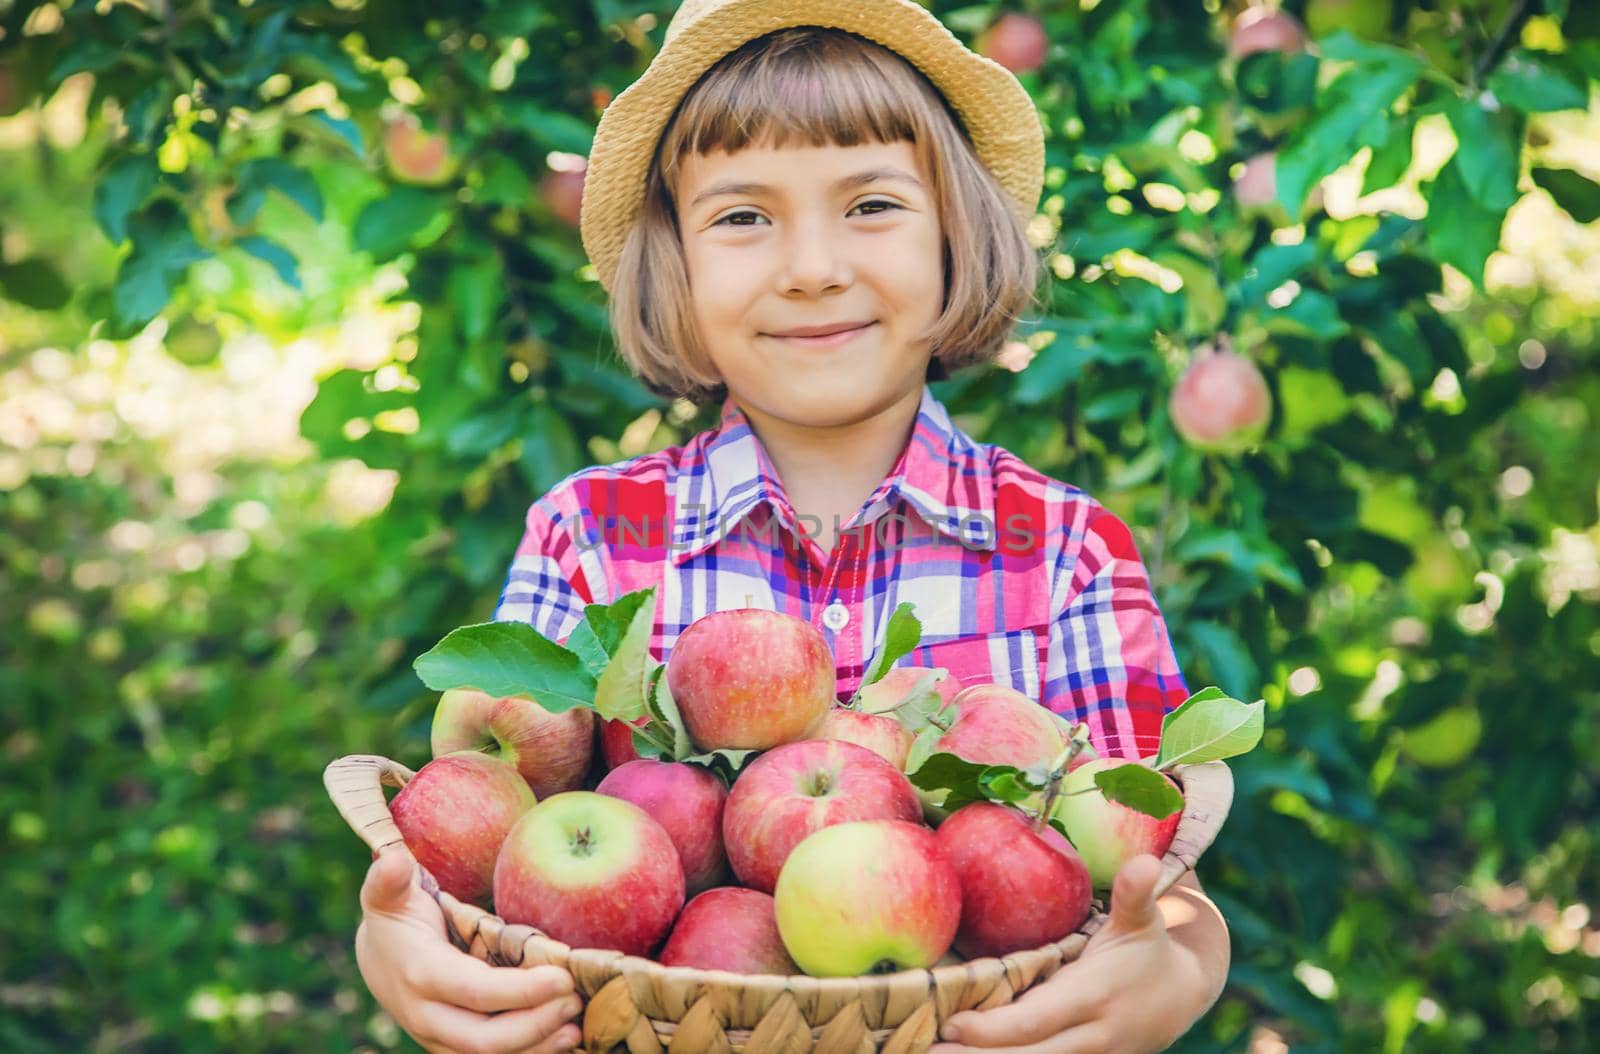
730	187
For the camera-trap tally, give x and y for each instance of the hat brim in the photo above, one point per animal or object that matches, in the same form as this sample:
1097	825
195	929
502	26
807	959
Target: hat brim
996	111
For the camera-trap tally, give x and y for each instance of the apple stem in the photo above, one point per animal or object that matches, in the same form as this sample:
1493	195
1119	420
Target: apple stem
1058	772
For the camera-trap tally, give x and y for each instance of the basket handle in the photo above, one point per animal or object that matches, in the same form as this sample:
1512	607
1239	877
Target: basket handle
355	783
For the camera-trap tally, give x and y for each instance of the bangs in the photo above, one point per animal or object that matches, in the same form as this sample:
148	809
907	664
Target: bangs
803	86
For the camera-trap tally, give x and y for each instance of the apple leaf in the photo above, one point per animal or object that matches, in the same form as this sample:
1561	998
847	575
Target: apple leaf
588	648
665	711
725	762
620	691
923	747
1209	726
923	705
1139	788
508	658
609	623
902	635
646	747
969	781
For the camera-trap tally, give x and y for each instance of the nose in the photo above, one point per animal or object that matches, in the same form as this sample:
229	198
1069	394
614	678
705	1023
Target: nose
813	260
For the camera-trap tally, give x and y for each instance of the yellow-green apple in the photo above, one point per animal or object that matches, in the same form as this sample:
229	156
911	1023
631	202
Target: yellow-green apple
592	871
454	814
870	896
790	791
414	154
1221	403
1265	29
686	800
728	928
1020	888
888	692
1016	41
552	751
1108	834
748	678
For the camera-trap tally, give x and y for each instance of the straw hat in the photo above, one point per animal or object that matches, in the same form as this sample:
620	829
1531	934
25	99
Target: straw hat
995	109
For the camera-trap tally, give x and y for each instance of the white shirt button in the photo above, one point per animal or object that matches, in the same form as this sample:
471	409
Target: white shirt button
836	616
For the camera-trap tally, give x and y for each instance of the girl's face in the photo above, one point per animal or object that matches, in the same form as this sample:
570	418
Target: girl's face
776	240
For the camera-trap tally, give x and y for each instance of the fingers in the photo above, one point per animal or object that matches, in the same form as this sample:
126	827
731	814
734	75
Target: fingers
475	985
388	881
513	1032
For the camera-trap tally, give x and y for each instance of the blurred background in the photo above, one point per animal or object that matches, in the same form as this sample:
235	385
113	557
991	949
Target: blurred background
295	323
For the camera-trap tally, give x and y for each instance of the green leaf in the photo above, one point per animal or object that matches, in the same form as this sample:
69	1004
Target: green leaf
556	130
34	283
282	261
1139	788
1351	115
1488	152
923	747
163	249
1390	160
1526	82
505	182
1113	406
582	642
121	191
966	781
1310	313
620	691
260	174
724	761
610	622
388	224
1011	787
1577	195
1462	231
1248	554
665	710
476	292
1226	653
508	658
1210	726
900	638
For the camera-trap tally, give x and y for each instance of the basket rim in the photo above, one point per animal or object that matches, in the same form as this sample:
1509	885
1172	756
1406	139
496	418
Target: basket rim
352	779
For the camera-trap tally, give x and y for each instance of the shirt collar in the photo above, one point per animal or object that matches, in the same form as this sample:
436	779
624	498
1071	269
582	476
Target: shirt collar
942	474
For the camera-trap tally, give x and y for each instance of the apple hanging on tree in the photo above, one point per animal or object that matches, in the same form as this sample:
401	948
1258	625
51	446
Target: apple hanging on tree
1221	404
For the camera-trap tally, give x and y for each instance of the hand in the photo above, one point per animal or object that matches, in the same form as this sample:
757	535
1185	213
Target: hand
1100	1003
448	1001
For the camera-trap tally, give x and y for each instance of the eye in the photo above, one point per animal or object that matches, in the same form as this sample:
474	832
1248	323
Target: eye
746	212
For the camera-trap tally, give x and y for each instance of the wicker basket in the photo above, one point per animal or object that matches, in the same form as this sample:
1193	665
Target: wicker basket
636	1005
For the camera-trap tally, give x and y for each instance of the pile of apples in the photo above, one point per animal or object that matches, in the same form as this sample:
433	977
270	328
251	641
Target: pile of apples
815	853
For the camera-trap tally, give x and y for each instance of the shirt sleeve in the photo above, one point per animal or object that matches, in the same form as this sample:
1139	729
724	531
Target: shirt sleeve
547	585
1110	660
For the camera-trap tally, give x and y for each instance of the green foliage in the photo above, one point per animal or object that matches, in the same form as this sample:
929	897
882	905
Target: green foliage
1413	541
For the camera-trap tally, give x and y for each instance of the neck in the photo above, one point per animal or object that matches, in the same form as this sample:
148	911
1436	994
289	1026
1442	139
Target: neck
828	471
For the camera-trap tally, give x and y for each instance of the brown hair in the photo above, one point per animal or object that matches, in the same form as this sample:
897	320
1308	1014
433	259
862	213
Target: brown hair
848	91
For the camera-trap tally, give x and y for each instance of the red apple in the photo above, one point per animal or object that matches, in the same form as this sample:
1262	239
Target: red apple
997	725
882	735
687	801
865	897
1020	888
728	928
1221	404
750	678
1016	41
616	741
1265	29
415	155
552	751
592	871
1257	185
793	790
1108	834
563	190
454	814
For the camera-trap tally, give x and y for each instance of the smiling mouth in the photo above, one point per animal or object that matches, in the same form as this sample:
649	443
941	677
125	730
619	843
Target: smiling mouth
828	341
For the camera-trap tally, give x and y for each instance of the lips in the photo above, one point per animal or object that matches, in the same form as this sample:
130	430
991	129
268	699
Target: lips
824	330
829	340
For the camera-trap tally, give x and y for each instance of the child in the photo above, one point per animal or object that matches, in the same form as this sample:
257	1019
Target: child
807	234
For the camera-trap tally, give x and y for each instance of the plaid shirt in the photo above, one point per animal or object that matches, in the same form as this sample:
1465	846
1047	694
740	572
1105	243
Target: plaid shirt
1017	578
